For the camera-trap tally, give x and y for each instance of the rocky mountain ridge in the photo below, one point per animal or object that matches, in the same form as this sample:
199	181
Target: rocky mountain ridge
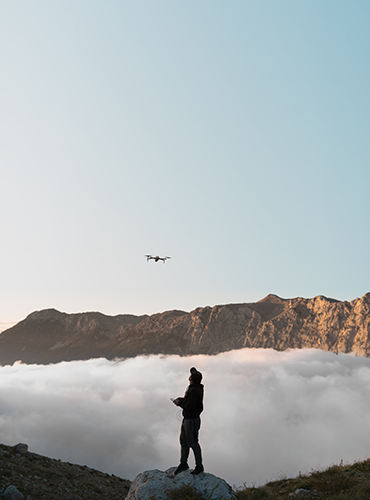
50	336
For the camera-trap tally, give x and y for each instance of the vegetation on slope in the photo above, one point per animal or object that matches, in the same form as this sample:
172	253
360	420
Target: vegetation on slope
337	482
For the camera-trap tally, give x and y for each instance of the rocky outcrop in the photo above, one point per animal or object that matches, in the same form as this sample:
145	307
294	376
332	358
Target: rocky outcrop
157	484
21	448
50	336
31	476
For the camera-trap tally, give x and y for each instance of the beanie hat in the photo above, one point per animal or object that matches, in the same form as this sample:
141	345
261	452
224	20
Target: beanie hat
195	375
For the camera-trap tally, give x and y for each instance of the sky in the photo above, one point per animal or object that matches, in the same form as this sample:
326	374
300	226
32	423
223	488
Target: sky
267	414
230	136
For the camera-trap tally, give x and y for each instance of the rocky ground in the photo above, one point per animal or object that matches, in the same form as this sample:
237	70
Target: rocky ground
38	477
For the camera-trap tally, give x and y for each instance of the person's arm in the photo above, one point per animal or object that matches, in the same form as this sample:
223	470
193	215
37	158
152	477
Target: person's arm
191	402
179	402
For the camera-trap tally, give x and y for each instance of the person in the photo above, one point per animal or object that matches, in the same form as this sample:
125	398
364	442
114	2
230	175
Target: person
192	407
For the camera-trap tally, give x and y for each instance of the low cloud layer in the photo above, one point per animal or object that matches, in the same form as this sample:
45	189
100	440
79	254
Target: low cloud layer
267	414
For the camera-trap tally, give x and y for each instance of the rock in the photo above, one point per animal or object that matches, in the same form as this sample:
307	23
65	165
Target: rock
157	484
303	494
21	448
11	493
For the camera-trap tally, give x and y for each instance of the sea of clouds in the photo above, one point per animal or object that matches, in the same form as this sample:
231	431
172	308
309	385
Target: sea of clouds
267	414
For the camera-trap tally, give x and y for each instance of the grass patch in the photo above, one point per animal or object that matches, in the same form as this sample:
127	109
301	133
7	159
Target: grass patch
337	482
261	493
185	493
331	481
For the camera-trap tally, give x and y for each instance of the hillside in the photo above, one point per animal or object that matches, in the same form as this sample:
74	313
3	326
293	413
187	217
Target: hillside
337	482
39	477
36	477
51	336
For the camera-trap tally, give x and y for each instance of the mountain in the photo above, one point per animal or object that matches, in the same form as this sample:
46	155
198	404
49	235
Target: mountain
50	336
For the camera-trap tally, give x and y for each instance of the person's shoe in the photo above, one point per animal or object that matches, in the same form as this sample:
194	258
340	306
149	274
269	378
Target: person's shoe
198	469
181	468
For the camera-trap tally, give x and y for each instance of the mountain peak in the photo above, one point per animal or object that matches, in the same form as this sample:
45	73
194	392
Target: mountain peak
45	314
272	299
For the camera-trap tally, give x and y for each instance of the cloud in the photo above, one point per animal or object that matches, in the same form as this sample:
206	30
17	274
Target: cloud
267	414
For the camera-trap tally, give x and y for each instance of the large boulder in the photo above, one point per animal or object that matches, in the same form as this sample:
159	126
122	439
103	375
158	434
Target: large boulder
155	484
21	448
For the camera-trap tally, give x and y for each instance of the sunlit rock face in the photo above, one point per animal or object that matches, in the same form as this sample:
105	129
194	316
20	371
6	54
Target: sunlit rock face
50	336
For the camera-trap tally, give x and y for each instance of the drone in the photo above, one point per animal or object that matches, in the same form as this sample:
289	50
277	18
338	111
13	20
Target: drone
156	258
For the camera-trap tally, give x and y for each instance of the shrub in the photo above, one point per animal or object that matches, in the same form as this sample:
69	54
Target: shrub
253	494
186	492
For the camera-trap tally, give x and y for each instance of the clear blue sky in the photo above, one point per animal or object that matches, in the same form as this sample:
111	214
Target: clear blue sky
231	136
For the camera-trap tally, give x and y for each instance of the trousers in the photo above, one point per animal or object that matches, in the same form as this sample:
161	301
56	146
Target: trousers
189	439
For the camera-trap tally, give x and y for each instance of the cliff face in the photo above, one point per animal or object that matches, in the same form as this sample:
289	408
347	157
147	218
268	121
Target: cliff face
50	336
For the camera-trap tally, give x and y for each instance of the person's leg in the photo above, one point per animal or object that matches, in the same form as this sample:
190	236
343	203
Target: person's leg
191	428
184	444
184	451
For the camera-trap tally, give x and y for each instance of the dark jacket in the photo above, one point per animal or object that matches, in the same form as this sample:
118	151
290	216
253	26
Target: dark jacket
192	402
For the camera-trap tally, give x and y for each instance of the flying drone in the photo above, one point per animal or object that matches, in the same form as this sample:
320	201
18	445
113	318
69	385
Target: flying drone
156	258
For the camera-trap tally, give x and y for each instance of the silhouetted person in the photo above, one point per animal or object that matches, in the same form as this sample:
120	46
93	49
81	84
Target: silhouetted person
192	407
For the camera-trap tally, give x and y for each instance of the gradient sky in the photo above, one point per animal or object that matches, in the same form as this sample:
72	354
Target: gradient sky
231	136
